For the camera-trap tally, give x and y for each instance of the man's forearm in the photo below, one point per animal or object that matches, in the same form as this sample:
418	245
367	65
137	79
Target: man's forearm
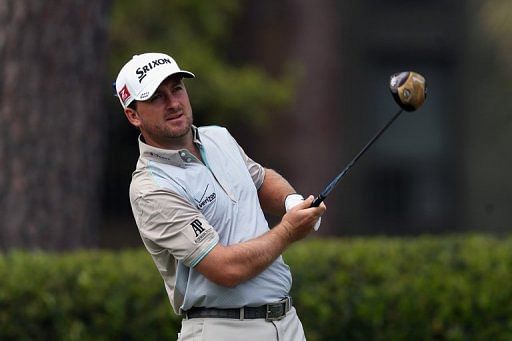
273	192
243	261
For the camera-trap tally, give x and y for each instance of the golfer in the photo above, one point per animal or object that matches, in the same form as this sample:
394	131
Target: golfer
198	202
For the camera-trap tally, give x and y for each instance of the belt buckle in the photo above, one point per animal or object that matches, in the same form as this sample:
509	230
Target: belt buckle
276	311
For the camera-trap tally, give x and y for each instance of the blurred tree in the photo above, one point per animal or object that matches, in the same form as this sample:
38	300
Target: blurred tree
52	65
198	35
494	18
488	160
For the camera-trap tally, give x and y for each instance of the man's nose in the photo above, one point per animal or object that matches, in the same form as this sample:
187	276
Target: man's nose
171	101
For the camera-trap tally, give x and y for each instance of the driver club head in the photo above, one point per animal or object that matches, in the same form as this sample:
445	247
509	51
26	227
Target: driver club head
409	89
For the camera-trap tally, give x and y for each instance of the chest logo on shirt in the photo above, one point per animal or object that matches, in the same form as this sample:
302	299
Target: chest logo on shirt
205	199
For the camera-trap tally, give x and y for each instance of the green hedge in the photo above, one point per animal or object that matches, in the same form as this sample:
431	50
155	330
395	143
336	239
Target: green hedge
443	288
87	295
429	288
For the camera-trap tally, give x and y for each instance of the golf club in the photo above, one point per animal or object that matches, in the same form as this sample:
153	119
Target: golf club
409	90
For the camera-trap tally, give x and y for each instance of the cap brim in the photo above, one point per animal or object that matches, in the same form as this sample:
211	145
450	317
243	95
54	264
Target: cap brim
150	89
186	74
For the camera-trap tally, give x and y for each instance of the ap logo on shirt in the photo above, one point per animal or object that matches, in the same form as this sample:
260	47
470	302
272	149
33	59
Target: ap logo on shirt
199	229
197	226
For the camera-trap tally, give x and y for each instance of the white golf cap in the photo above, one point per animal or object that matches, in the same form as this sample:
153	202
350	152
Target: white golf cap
141	76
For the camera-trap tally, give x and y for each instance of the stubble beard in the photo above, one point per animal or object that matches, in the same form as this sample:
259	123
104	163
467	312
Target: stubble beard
171	132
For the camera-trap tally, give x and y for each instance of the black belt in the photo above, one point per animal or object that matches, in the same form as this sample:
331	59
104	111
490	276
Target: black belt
270	312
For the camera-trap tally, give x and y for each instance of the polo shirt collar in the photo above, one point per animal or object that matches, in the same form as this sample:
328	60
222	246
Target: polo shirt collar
175	157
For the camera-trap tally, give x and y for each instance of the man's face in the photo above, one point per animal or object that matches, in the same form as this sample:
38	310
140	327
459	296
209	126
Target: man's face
166	117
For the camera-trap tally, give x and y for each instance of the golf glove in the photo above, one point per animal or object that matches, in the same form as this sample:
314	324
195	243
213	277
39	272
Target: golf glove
292	200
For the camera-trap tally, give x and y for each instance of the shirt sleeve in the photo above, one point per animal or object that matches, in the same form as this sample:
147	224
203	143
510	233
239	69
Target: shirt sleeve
171	222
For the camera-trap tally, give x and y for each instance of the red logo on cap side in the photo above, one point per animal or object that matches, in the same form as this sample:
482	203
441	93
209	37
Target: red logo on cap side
124	93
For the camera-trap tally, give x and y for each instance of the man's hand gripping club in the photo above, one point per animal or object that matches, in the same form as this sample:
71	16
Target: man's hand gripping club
292	200
301	218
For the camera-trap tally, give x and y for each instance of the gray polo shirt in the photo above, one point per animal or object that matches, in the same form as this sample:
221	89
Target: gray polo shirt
184	207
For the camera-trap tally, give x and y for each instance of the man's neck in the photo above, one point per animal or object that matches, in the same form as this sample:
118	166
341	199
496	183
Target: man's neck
176	143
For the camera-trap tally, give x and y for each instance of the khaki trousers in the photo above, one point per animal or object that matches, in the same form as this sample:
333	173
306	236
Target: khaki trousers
222	329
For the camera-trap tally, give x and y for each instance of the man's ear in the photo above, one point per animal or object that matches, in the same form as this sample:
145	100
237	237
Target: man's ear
133	117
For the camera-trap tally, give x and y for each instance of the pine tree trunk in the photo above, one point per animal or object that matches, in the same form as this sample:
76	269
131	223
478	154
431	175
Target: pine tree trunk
52	122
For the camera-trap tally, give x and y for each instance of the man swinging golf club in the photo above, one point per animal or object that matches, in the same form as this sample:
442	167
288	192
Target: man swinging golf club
198	202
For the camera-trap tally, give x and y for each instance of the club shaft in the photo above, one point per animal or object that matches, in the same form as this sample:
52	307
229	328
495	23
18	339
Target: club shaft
321	197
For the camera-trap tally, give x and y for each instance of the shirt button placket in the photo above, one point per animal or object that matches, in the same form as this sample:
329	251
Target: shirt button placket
184	157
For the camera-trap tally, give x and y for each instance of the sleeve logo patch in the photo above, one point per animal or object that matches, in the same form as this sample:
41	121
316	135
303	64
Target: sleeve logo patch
197	226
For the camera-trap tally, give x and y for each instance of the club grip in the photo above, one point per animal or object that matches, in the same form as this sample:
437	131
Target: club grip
318	200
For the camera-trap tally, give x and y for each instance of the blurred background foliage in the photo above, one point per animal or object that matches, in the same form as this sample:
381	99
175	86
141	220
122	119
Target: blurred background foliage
198	35
301	85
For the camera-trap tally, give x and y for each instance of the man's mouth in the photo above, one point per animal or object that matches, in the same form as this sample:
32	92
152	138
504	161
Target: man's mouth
173	117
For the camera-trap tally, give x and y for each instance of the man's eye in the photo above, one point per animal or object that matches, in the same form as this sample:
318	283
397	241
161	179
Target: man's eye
155	97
